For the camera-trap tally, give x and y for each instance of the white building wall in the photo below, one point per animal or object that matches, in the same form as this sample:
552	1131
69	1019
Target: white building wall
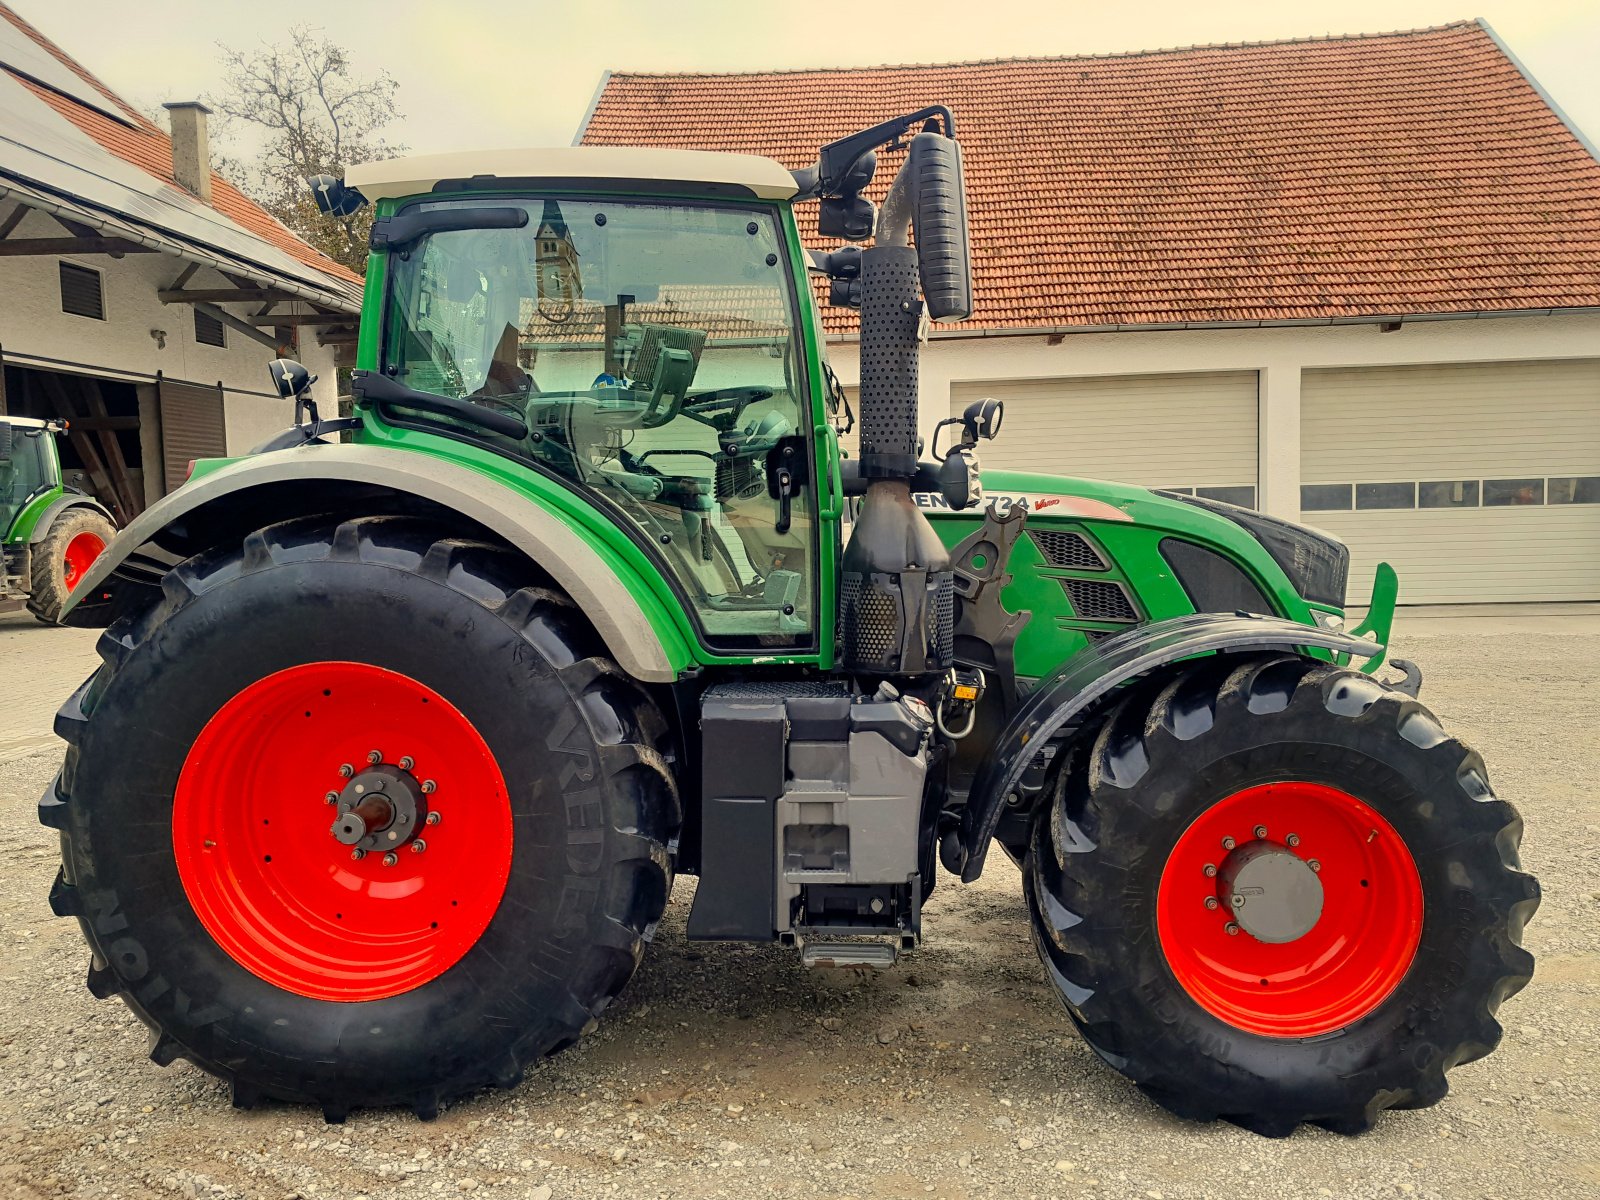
1278	354
35	332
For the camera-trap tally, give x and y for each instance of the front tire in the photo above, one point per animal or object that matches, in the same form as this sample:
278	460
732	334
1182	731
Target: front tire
1278	893
209	800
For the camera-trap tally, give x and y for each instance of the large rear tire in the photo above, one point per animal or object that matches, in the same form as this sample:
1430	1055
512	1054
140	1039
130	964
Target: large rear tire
1278	893
63	556
211	847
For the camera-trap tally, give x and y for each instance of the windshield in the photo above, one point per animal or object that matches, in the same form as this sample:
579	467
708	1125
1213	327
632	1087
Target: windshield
25	474
650	350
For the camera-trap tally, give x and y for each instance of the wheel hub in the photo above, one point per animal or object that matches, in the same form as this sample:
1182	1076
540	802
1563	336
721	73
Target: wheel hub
384	808
1271	892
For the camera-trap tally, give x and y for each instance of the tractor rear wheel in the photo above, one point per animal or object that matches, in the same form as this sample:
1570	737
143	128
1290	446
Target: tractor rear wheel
360	816
1278	893
63	556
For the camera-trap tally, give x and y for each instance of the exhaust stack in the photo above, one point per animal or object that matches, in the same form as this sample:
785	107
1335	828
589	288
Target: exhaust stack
897	592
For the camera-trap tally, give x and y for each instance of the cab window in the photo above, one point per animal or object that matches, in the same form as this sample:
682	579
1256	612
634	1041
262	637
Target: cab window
651	351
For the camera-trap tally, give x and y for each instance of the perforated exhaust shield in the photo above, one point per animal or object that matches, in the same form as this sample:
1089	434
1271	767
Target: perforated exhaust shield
890	314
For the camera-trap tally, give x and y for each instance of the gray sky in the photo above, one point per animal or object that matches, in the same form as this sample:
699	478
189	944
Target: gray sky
493	73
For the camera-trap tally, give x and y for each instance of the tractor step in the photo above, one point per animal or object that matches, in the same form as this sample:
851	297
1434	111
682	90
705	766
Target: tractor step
878	956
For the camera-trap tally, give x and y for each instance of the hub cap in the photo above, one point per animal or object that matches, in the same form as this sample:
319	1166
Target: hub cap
342	831
79	557
1289	909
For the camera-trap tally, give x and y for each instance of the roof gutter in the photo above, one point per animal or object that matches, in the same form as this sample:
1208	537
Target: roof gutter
1057	331
33	196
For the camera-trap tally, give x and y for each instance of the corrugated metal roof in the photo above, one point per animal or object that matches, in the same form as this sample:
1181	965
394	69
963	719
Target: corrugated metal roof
65	144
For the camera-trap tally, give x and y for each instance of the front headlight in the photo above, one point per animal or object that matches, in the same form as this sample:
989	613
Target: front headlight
1318	565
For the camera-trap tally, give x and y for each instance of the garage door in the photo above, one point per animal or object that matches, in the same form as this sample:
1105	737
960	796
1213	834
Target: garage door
1194	431
1479	482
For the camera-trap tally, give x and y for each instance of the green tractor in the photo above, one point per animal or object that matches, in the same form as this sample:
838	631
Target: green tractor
52	534
585	596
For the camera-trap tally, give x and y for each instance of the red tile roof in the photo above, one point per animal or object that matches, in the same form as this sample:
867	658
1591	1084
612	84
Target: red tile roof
1414	172
147	146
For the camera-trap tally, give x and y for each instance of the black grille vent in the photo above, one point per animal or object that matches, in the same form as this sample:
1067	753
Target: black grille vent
1093	600
1062	548
208	330
80	292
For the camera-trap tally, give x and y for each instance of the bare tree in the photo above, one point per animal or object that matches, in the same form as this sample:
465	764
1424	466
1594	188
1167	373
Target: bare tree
319	118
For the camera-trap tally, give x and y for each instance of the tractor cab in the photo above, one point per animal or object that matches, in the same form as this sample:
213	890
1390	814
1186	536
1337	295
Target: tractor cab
646	351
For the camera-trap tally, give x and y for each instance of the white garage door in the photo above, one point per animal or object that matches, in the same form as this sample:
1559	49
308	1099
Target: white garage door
1479	482
1194	431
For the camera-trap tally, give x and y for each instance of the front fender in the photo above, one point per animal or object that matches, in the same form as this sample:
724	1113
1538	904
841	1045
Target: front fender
61	504
1072	692
643	643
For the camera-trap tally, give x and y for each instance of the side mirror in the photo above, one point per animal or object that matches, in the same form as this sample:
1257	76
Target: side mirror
333	198
939	216
290	378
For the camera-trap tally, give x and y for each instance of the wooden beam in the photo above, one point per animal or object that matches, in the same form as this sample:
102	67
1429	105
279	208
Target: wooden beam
15	219
183	277
234	323
79	438
220	295
72	245
336	338
99	417
307	319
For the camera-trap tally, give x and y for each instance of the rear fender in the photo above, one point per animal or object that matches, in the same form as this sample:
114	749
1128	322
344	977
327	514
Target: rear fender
1064	699
339	480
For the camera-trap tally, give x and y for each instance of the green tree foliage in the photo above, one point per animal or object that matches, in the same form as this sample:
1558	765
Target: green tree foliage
318	118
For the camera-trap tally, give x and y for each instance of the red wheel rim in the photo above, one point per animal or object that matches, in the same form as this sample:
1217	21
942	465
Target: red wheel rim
81	552
1345	964
251	830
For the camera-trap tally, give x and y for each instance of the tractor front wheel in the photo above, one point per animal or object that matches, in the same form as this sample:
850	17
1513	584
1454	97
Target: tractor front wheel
1278	893
63	556
360	816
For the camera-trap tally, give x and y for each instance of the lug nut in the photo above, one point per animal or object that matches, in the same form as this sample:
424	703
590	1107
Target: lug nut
374	757
1211	870
1230	929
1260	831
358	854
347	770
1228	843
407	762
418	846
390	859
332	797
434	818
427	786
1293	839
1314	865
1211	902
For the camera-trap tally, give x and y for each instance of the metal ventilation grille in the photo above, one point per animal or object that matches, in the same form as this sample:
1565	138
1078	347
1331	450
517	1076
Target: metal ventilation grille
208	330
1062	548
1094	600
80	292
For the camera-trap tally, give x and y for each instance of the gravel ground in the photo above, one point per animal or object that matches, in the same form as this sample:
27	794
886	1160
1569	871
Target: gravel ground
729	1071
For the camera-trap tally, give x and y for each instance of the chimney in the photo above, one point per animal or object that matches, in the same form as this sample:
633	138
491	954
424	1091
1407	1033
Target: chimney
191	148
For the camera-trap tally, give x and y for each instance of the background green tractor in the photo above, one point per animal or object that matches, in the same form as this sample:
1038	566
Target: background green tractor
589	597
52	534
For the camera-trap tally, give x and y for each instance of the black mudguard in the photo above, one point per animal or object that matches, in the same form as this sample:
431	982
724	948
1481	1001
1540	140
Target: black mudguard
1074	691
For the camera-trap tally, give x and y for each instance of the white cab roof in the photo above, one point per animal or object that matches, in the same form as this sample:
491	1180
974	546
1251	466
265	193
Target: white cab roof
761	177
